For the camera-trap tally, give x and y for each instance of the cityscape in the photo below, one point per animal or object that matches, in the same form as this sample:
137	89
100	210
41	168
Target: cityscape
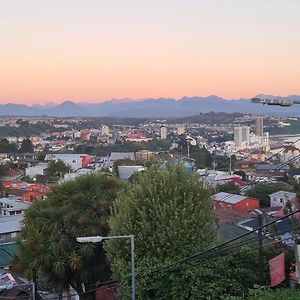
117	182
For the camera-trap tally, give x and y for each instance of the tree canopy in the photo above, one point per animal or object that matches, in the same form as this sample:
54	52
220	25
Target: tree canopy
26	146
171	216
229	187
262	191
48	246
57	168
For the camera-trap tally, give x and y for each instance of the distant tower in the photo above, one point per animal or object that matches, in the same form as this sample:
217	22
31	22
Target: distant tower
241	136
104	130
180	129
163	132
259	126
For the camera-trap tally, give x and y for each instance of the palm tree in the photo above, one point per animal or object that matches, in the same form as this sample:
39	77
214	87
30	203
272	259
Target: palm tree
48	247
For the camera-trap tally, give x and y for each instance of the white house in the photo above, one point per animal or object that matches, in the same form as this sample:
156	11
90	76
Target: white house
280	198
39	169
74	161
11	207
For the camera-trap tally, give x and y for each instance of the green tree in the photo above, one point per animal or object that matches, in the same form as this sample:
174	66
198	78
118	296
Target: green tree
241	173
203	158
229	187
57	168
26	146
262	191
6	147
4	169
48	246
171	216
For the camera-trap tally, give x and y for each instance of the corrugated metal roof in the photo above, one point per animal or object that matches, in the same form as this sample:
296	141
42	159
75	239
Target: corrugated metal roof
228	198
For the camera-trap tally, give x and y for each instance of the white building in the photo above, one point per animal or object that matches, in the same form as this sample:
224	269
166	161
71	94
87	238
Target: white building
280	198
11	207
180	129
125	172
104	130
241	137
39	169
74	161
163	132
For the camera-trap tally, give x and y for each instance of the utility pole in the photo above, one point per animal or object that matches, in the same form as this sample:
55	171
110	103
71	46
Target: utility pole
260	246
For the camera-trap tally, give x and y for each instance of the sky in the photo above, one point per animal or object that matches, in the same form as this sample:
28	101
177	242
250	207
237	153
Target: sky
95	50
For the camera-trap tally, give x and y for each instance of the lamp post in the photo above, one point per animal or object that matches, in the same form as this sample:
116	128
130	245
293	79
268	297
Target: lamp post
98	239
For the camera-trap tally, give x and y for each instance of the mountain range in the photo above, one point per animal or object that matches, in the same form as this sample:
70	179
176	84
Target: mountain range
149	108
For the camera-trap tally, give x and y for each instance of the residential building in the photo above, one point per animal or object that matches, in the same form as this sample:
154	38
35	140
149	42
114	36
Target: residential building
259	126
104	130
121	155
180	129
39	169
11	207
241	137
163	132
235	202
74	161
289	153
144	155
10	228
280	198
125	172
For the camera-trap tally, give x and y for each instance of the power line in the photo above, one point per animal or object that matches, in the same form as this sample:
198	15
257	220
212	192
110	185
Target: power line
199	254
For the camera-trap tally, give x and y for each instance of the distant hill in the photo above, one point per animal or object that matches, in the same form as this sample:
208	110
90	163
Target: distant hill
148	108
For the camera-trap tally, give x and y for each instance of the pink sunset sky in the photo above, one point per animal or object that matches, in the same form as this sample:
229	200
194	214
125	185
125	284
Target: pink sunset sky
97	50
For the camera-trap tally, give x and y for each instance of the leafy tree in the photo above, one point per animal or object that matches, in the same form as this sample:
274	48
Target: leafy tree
57	168
4	169
241	173
41	156
229	187
26	146
6	147
203	158
262	191
171	216
48	246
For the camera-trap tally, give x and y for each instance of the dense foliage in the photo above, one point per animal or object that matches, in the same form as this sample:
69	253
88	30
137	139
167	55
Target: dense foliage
171	216
229	187
262	191
26	146
48	247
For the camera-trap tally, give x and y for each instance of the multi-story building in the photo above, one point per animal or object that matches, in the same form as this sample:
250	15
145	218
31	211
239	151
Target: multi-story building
104	130
241	136
163	132
259	126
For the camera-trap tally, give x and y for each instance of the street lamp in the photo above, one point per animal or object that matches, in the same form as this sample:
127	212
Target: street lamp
98	239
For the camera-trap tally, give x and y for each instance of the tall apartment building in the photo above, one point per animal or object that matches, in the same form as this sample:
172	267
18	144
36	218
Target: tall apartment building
259	126
163	132
104	130
180	129
241	136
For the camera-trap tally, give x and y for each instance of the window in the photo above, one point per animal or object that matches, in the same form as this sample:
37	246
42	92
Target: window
13	235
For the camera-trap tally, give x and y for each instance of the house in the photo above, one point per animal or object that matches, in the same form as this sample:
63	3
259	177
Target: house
289	153
235	202
144	155
39	169
279	171
12	176
12	207
121	155
280	198
74	161
10	227
125	172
